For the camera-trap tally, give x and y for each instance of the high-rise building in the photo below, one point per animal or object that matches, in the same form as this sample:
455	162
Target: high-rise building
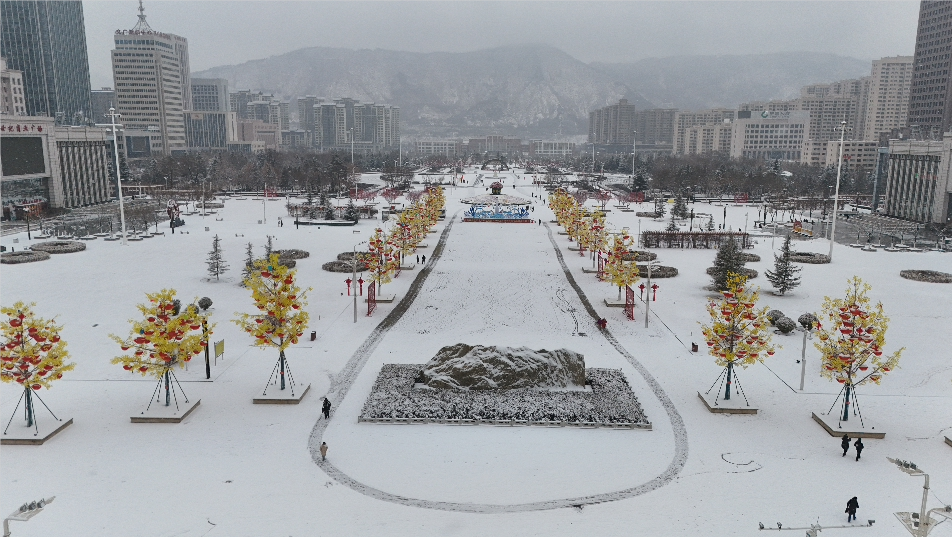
930	97
100	101
777	136
306	116
371	127
613	124
919	180
887	103
684	120
210	95
46	41
13	103
151	74
655	126
831	104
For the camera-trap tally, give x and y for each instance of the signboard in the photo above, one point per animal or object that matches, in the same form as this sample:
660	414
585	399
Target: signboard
219	348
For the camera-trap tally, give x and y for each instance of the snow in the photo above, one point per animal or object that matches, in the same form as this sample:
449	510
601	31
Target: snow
235	468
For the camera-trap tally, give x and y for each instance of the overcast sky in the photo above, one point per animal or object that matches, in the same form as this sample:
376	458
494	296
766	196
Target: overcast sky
222	33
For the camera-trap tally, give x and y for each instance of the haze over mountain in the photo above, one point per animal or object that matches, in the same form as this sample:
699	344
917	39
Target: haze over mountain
528	90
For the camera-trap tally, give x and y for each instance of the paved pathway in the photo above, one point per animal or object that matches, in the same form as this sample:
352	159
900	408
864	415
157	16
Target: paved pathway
348	375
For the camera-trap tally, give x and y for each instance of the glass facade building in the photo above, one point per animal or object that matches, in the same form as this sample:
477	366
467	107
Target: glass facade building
47	42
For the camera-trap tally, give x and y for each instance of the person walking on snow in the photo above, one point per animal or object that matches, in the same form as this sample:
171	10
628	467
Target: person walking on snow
845	444
323	451
424	259
851	507
326	408
859	447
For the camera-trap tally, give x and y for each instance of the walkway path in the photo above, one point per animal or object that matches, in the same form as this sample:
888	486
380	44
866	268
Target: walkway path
482	318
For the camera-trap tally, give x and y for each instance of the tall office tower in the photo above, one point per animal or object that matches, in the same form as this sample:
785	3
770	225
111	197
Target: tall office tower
655	126
239	100
210	95
887	106
46	41
930	97
100	101
613	124
306	116
831	104
153	89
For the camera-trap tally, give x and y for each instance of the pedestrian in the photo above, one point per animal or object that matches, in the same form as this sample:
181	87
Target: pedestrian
851	507
424	259
323	451
540	221
845	444
326	408
418	259
859	447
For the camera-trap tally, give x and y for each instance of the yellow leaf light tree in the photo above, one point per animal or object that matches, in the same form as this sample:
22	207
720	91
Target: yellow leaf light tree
739	334
33	355
380	259
281	320
166	338
618	271
852	344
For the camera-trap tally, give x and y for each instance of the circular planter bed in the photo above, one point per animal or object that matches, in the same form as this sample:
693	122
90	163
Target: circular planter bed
293	254
749	273
212	205
657	271
59	247
290	263
342	266
931	276
642	255
749	258
644	214
809	257
25	256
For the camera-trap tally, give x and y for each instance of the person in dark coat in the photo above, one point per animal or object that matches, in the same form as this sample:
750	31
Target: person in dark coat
845	444
417	258
859	447
424	259
326	408
851	507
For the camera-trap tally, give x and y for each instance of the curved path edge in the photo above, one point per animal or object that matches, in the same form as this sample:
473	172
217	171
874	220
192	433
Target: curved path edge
344	380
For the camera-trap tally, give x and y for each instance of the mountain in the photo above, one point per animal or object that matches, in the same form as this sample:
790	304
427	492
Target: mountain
525	90
697	82
528	90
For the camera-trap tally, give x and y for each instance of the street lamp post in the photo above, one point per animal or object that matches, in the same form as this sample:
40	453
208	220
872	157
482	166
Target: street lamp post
351	146
26	512
114	130
836	195
923	526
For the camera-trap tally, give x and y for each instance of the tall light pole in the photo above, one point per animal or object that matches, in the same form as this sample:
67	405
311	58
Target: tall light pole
836	195
114	130
634	143
923	526
351	146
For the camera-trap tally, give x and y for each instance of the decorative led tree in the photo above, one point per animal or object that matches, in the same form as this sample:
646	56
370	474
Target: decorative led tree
618	271
380	259
32	354
739	334
282	319
167	337
852	344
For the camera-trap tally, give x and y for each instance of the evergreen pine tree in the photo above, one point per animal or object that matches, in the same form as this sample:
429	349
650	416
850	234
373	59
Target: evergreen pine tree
216	265
249	263
784	276
728	261
351	213
680	208
268	248
710	224
310	201
672	225
659	206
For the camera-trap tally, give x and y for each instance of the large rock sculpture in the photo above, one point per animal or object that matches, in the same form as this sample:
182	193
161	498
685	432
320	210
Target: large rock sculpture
478	367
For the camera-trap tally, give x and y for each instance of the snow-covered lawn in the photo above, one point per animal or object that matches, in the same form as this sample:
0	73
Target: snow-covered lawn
237	469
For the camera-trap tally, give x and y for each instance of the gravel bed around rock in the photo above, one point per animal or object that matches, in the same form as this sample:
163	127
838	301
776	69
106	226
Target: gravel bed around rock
749	258
809	257
59	247
293	254
657	271
24	256
642	255
930	276
610	401
644	214
342	266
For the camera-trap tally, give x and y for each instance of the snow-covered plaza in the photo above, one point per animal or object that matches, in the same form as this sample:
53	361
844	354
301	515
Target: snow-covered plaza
233	468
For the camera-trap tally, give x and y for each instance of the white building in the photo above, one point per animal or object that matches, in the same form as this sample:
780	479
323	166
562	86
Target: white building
151	74
450	148
919	180
769	136
11	82
540	148
887	103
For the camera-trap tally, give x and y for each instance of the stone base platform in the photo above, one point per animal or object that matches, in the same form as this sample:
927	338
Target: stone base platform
20	435
573	248
276	396
384	299
411	266
159	413
948	440
612	303
736	405
588	270
854	429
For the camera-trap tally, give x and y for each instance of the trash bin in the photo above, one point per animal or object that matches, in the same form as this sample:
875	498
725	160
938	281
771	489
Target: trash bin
313	335
693	347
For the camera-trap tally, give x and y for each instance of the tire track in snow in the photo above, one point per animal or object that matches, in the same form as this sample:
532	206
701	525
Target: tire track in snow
348	375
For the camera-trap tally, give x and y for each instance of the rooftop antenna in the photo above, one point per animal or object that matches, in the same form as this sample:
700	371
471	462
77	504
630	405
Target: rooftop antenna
142	25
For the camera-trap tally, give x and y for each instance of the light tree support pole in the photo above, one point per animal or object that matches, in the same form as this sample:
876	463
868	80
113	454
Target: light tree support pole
836	195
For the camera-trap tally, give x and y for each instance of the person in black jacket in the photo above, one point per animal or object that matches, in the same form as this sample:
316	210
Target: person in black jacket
859	447
845	444
851	507
326	408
